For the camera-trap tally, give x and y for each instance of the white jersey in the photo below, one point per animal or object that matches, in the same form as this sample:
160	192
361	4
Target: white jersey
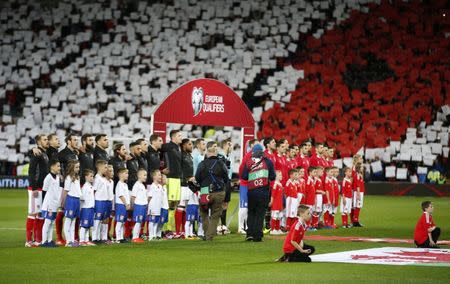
52	200
156	192
140	194
193	199
72	187
87	196
101	188
122	190
110	187
165	200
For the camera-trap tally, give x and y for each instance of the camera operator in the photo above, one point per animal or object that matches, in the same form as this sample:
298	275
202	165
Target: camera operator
224	154
212	176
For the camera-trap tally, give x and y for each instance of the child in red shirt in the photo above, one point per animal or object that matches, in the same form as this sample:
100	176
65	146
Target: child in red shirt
328	198
318	205
336	195
358	194
346	200
291	192
276	205
426	233
294	249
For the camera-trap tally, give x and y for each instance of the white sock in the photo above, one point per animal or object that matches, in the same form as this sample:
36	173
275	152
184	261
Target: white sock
158	229
136	230
50	231
82	235
67	225
200	231
96	230
119	231
186	229
243	219
45	230
86	237
72	229
104	230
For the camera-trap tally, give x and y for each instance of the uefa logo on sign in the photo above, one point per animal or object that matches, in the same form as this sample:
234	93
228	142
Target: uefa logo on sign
197	100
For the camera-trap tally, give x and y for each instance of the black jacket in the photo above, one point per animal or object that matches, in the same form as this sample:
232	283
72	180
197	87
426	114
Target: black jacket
153	158
187	167
117	163
172	159
52	153
133	167
64	156
86	163
219	171
100	154
38	169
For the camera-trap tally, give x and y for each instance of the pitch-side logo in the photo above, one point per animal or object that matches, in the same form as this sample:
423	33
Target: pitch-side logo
206	103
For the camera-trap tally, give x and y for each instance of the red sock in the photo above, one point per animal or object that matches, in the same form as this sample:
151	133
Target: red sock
352	215
58	225
357	214
77	229
315	221
37	229
344	217
272	224
129	230
278	224
332	221
30	227
183	220
326	218
178	220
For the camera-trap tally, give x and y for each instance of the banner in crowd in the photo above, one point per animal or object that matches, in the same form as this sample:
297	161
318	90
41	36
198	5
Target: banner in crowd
13	182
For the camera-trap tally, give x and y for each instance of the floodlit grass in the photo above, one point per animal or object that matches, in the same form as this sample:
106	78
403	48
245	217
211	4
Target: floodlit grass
227	259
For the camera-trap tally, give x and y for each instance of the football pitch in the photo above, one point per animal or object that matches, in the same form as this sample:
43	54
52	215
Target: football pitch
228	259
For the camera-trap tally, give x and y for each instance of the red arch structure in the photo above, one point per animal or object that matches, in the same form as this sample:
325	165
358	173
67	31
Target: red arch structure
204	102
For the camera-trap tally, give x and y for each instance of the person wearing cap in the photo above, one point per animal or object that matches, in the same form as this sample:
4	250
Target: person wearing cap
258	171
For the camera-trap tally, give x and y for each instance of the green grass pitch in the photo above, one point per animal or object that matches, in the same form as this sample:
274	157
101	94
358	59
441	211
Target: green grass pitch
228	259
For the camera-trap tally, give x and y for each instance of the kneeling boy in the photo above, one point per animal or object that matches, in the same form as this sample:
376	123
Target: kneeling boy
294	249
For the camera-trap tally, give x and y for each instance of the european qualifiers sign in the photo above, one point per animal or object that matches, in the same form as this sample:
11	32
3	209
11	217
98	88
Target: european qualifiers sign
206	103
13	182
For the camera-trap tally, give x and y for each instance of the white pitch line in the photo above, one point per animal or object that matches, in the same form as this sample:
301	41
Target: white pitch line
13	229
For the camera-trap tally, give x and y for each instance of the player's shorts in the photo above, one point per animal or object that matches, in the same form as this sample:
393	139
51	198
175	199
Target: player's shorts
358	203
328	208
101	210
335	208
192	212
50	215
109	208
174	189
164	217
291	207
121	213
139	213
276	214
34	203
319	204
185	193
87	217
300	198
243	197
348	205
154	219
72	207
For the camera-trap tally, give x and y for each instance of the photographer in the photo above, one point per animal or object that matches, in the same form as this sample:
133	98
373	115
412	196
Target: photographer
224	154
212	176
